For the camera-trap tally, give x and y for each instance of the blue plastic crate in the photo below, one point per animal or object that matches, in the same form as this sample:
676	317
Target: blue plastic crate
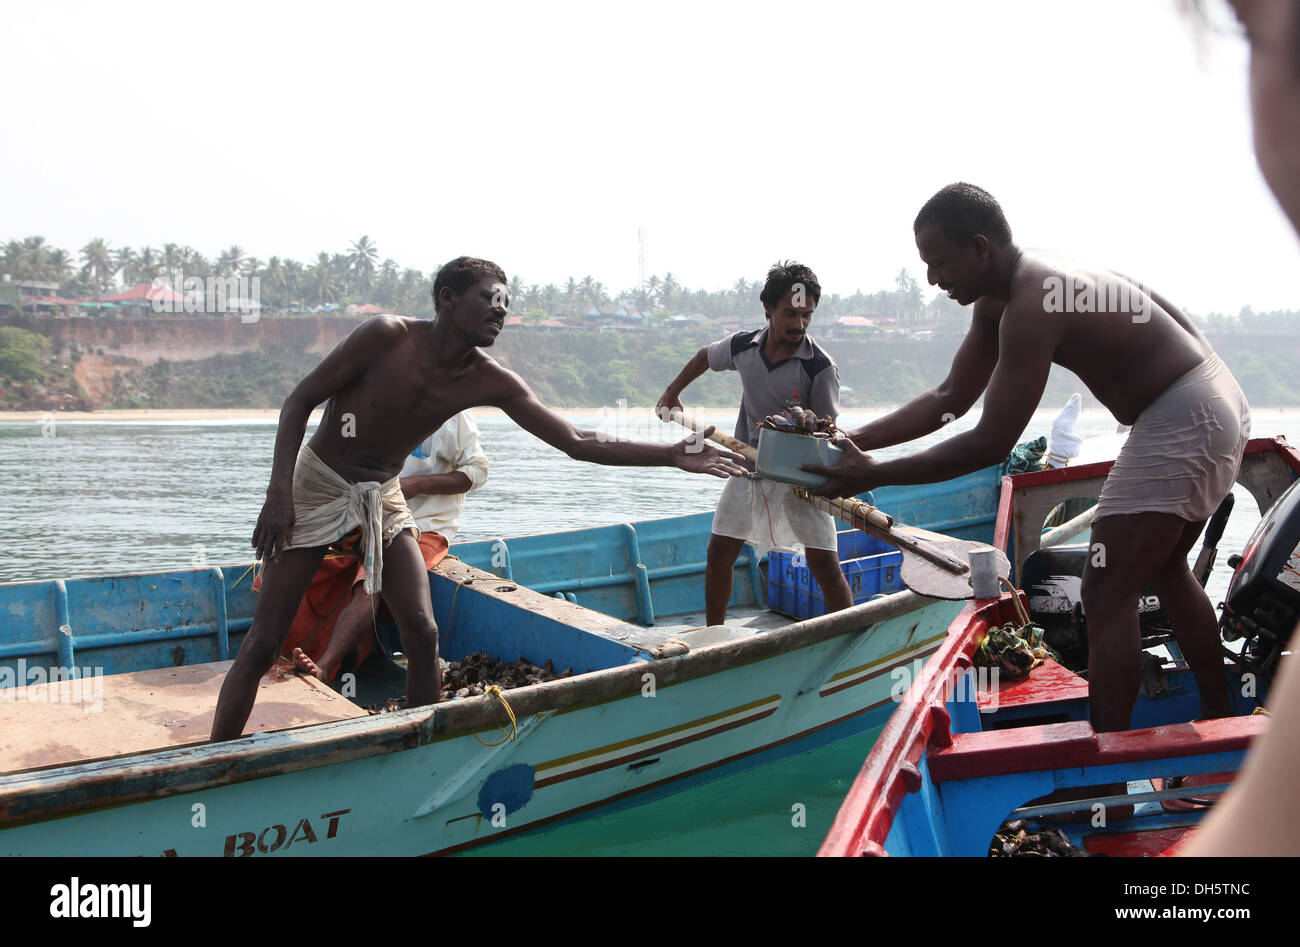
871	567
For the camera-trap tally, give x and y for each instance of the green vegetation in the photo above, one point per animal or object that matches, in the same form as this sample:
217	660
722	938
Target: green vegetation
22	355
592	370
258	379
359	275
567	368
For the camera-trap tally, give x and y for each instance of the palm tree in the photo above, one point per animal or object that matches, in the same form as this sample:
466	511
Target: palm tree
59	268
12	260
229	261
361	261
295	277
97	263
274	277
411	293
172	259
908	295
195	263
125	262
147	265
516	291
669	289
321	281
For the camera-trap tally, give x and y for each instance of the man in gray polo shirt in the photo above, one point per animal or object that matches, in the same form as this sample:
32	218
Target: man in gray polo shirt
780	367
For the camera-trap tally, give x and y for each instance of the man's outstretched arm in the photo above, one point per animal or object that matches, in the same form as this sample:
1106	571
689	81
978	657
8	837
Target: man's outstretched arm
1013	395
971	368
692	454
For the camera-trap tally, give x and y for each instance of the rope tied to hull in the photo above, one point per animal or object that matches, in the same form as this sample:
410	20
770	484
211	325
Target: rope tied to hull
513	732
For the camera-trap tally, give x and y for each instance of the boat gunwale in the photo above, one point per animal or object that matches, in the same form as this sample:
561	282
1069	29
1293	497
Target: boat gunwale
890	771
49	792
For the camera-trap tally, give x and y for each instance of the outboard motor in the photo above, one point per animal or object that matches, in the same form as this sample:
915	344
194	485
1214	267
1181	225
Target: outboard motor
1052	578
1263	600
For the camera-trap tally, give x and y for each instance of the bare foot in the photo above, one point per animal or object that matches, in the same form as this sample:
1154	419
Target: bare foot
306	665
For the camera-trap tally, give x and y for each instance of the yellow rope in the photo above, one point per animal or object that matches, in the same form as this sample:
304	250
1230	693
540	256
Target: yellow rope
451	619
246	571
513	732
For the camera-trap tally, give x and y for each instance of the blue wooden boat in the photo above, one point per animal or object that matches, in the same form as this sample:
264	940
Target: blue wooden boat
112	762
964	754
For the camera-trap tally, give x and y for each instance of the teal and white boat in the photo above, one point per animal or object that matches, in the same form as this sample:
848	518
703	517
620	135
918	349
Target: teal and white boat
113	762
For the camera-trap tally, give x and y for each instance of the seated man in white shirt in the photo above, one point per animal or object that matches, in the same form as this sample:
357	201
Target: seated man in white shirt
435	479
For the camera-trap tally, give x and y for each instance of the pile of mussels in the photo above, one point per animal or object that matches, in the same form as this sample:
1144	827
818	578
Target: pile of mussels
472	676
797	420
1013	839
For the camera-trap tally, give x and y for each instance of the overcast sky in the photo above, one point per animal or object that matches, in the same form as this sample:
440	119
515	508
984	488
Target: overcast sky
543	135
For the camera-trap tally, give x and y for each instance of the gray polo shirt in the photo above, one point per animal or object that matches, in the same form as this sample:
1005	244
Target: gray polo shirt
808	379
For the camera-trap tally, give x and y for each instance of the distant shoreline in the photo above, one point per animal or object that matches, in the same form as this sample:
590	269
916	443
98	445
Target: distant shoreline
139	415
210	415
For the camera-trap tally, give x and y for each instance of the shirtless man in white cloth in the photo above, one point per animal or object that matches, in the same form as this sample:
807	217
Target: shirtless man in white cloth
390	384
1145	361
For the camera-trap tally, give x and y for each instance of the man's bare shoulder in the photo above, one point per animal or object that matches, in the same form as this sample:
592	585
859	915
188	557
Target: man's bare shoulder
385	327
503	383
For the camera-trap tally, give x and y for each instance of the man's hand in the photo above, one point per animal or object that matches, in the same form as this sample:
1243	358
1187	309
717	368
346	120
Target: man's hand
854	473
668	403
274	526
694	455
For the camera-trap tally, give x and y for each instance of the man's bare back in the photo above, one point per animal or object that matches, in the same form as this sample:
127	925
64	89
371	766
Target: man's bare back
1124	341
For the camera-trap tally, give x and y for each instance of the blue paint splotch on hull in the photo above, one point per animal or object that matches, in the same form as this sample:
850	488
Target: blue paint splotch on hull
511	786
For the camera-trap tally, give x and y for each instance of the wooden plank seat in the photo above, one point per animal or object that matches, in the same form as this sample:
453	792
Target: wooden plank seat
984	777
1076	744
70	721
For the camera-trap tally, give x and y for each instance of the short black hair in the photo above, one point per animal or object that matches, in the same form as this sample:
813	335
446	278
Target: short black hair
462	273
783	277
962	210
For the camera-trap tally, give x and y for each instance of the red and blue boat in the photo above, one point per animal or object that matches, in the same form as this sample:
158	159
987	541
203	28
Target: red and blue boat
969	751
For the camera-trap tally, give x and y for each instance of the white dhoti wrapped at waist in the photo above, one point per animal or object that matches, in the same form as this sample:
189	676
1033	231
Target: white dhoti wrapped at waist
326	508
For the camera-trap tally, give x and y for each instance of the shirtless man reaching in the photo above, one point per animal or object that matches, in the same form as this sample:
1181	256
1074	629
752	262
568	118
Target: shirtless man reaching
389	384
1145	361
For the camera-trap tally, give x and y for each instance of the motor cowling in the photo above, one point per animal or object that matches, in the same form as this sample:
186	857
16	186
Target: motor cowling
1052	579
1262	604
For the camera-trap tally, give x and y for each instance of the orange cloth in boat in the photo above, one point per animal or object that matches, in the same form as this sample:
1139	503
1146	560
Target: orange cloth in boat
331	589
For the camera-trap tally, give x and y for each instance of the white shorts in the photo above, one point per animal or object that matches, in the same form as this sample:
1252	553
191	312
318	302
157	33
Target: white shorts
767	515
1185	449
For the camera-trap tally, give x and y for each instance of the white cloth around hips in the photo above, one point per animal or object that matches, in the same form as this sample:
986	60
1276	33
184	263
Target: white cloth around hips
767	515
